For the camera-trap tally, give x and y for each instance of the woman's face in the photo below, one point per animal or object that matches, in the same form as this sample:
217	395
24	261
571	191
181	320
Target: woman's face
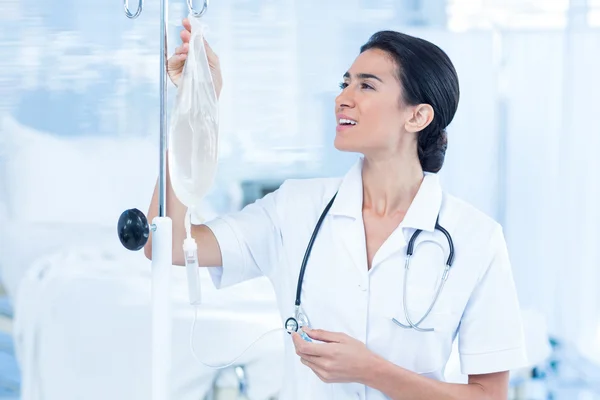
370	117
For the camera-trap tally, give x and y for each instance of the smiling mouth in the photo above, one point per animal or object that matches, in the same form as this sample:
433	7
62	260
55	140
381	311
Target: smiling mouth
346	122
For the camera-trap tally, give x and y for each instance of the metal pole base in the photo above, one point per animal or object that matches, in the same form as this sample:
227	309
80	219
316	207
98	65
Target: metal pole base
161	307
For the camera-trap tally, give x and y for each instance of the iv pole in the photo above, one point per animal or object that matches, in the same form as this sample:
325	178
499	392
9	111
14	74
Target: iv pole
133	229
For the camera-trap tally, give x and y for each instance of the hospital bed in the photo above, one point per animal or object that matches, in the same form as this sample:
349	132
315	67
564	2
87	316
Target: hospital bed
86	333
81	302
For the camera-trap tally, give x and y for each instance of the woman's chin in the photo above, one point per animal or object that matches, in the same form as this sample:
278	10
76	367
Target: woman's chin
343	144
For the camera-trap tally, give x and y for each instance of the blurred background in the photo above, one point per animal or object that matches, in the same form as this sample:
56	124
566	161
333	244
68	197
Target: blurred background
79	125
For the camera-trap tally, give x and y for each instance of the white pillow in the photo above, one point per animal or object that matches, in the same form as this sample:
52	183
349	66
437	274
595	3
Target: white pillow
58	192
91	180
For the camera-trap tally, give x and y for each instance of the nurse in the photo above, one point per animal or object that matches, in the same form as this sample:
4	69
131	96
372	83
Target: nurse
394	105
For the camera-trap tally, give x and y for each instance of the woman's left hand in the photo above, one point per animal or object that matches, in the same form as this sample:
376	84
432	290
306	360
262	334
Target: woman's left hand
340	358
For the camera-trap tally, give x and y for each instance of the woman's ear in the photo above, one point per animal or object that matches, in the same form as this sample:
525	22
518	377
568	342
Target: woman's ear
420	118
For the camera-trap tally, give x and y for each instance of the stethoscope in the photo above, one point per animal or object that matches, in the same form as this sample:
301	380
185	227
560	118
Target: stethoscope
300	320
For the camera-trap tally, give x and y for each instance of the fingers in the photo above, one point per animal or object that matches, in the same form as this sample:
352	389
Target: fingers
315	367
298	343
185	36
312	359
209	50
187	25
212	56
324	336
304	348
183	49
181	52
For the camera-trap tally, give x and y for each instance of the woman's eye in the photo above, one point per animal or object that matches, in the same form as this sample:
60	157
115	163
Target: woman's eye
344	85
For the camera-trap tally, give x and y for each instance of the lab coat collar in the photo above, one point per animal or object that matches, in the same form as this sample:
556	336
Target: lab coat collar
422	213
425	207
349	199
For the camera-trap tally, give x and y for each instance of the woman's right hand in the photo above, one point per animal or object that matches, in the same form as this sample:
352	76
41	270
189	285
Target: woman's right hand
176	62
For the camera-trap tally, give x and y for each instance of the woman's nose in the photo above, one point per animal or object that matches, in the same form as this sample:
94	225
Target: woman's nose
344	99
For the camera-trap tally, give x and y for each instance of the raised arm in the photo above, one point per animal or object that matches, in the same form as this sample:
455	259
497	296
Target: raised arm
209	253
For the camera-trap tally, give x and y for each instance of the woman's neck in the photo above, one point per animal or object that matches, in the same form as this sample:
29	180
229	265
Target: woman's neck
390	184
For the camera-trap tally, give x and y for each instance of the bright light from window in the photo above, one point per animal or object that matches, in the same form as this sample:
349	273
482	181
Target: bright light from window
507	14
593	16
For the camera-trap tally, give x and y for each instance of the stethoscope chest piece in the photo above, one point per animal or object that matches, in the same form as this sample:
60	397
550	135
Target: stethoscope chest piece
291	325
299	320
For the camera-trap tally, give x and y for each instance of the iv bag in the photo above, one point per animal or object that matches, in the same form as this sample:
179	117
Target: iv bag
194	126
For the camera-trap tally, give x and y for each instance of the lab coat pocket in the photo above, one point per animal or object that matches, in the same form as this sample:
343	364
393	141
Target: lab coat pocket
424	352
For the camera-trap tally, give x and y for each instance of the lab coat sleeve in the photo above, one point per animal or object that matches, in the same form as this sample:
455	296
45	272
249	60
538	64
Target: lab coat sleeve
250	241
491	336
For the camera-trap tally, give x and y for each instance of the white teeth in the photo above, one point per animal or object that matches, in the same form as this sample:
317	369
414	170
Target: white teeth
344	121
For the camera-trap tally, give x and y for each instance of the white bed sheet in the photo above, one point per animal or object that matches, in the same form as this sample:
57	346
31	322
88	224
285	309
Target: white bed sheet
83	325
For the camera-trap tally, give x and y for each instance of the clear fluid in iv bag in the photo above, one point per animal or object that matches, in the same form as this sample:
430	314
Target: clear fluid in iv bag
193	133
192	160
193	139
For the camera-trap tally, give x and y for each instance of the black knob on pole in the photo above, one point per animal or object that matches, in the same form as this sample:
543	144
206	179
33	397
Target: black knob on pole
133	229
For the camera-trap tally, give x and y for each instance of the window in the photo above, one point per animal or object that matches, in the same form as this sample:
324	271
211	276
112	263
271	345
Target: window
466	15
593	15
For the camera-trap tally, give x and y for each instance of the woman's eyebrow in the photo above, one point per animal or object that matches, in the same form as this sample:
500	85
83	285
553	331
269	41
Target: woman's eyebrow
363	76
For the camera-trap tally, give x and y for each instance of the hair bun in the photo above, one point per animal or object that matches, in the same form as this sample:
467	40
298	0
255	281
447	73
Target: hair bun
432	149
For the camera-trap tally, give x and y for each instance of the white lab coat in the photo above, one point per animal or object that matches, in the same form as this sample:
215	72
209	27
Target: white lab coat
340	294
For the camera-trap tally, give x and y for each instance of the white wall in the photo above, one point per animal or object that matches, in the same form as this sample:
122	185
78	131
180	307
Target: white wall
553	183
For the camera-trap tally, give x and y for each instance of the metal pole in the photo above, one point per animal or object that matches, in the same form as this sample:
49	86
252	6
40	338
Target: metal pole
161	308
133	227
162	197
162	228
162	245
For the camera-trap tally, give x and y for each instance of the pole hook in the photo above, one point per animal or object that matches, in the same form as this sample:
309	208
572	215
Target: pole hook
137	13
195	13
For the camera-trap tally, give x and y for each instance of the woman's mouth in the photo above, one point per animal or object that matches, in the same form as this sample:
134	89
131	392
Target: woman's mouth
345	123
